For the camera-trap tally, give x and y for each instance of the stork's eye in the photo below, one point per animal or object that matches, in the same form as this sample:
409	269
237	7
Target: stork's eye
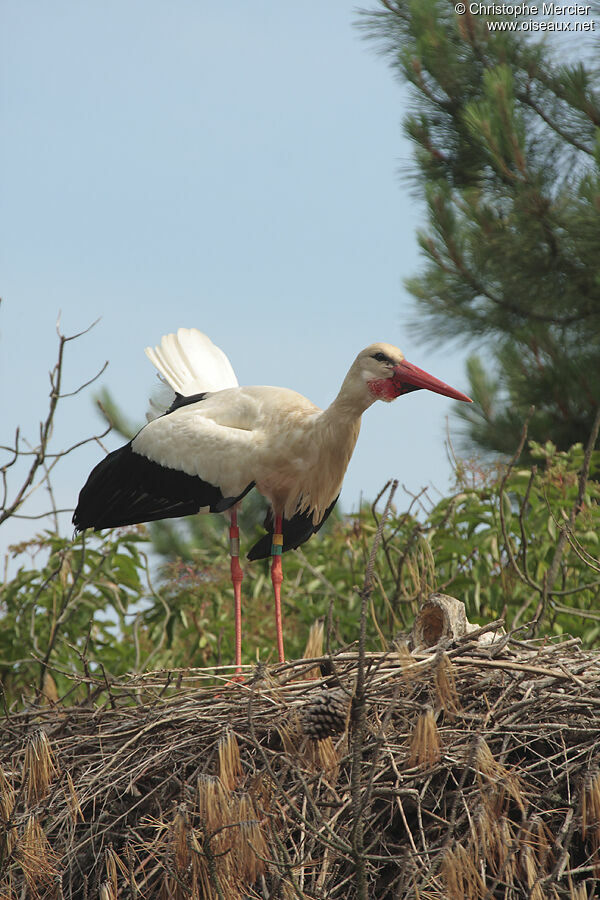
381	357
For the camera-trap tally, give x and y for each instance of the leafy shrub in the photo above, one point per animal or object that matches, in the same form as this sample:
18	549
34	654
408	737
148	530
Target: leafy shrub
517	543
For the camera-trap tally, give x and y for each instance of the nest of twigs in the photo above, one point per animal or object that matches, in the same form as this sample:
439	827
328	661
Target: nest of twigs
464	772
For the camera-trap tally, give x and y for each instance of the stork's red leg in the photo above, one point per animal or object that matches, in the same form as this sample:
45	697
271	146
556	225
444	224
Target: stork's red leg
277	578
236	579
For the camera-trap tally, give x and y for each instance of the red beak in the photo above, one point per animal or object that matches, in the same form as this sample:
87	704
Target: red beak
410	378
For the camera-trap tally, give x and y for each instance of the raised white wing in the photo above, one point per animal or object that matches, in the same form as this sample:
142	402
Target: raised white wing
191	363
188	363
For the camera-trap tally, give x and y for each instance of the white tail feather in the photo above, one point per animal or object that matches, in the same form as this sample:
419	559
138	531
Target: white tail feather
161	398
188	363
191	363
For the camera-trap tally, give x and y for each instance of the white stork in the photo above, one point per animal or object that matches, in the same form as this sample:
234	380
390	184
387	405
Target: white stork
217	441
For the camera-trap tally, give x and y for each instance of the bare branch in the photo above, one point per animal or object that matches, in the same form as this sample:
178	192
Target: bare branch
40	455
87	383
360	714
524	576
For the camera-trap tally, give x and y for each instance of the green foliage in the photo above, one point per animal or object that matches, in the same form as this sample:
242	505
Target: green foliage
508	162
499	541
493	543
69	603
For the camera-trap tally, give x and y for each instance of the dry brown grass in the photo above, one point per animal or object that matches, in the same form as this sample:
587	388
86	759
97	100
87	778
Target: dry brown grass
480	780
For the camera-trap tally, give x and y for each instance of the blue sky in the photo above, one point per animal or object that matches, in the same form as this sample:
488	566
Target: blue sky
233	167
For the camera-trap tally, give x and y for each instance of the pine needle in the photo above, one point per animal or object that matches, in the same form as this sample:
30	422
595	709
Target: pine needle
39	769
230	768
314	648
425	744
445	684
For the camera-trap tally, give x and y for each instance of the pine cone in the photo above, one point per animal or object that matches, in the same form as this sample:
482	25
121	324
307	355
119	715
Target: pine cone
326	715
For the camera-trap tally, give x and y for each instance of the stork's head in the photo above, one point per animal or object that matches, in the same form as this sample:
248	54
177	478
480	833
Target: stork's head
387	375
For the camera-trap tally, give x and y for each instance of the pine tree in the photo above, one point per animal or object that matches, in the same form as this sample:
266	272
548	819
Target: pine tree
507	137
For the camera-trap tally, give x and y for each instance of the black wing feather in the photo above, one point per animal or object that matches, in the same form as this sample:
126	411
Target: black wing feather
183	400
296	531
126	488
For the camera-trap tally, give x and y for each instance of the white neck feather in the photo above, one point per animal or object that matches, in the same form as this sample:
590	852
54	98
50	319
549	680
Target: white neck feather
353	398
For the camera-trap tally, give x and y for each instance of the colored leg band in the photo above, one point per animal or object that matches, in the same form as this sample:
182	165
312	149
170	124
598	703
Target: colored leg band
277	545
234	540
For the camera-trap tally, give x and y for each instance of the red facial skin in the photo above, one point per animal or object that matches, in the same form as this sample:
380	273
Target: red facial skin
407	377
384	389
